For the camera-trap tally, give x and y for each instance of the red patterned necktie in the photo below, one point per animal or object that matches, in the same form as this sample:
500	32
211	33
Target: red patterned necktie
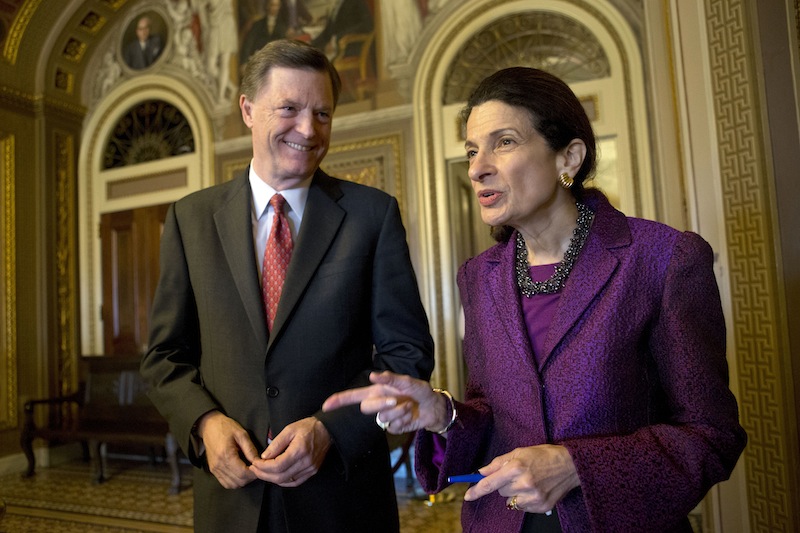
276	259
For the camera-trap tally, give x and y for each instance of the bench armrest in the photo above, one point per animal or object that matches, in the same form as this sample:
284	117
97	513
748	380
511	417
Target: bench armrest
30	405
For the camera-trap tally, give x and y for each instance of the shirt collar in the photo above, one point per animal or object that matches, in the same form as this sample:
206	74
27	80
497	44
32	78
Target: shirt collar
262	193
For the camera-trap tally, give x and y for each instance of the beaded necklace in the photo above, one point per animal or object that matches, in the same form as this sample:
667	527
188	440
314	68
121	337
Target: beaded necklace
556	282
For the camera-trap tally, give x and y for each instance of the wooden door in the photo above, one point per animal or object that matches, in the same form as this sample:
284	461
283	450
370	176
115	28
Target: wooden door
130	250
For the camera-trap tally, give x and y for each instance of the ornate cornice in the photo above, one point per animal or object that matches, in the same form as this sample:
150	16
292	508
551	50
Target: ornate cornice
17	100
66	110
20	101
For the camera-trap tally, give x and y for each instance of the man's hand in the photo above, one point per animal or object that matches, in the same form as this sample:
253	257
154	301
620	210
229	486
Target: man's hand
295	454
228	446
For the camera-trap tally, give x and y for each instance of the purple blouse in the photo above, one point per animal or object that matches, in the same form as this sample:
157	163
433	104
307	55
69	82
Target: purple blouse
539	311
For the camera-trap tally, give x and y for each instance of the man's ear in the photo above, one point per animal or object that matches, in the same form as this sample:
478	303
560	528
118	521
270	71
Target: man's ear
247	110
572	157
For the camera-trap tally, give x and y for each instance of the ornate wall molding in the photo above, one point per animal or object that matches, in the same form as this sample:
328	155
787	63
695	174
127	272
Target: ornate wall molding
17	30
65	261
797	22
8	284
754	285
374	162
17	100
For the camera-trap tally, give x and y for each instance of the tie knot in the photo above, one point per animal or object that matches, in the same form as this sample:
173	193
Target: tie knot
277	202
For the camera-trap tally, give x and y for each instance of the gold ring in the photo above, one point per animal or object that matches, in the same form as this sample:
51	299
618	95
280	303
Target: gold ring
512	505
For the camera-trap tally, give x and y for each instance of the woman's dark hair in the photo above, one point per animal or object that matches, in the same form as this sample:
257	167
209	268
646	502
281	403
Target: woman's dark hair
555	112
288	54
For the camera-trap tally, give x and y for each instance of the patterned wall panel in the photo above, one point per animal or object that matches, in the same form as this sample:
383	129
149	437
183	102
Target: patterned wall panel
65	261
375	162
8	284
753	266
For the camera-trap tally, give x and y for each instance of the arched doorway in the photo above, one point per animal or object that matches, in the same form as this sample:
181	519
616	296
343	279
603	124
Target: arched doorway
594	49
147	145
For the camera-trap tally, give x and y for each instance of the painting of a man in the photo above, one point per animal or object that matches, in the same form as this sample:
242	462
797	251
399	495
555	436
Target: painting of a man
146	47
346	17
327	24
282	20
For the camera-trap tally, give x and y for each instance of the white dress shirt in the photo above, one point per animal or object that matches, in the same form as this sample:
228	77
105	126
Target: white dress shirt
262	213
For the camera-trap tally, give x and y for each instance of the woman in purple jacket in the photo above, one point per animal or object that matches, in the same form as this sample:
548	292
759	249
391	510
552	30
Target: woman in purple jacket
597	397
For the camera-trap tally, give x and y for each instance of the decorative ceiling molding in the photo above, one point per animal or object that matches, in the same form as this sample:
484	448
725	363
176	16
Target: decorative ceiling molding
19	24
546	40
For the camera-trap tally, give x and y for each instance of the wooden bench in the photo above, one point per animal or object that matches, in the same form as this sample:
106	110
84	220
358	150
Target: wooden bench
110	406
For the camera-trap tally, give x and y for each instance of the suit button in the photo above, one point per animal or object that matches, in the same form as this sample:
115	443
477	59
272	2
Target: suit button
272	392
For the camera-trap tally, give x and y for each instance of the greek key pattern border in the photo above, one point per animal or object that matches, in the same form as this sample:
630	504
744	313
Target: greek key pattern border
752	264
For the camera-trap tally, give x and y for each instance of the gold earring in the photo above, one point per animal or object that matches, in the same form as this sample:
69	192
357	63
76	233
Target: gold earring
565	180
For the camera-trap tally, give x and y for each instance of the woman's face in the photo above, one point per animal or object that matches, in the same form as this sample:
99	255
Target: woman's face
513	170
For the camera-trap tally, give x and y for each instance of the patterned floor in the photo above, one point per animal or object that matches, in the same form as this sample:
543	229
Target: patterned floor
63	500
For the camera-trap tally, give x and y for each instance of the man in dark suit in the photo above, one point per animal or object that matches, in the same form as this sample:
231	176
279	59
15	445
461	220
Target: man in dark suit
282	20
145	49
243	396
346	18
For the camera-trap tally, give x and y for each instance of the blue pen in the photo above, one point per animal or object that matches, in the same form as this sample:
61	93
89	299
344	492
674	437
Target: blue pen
474	478
466	478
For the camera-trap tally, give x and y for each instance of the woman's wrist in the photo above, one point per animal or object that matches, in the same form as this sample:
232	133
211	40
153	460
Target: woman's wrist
449	413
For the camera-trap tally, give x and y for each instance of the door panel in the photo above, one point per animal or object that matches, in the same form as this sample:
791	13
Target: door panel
130	247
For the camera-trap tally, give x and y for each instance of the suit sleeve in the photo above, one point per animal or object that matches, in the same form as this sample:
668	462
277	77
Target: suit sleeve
662	471
400	333
171	364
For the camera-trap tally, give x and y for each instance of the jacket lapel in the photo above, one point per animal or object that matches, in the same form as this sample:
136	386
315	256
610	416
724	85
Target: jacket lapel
235	230
321	221
592	271
506	300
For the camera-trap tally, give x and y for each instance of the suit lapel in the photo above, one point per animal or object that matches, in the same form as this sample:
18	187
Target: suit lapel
321	221
506	300
235	230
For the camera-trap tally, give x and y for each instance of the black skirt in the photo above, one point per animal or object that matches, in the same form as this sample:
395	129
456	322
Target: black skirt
540	523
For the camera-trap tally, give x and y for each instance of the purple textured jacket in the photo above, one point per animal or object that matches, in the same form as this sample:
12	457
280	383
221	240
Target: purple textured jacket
634	381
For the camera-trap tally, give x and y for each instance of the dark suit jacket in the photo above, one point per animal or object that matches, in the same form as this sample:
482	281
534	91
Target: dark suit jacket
259	35
634	381
354	16
137	57
350	286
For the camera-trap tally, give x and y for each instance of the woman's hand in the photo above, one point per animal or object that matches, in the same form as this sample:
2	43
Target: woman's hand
401	403
534	478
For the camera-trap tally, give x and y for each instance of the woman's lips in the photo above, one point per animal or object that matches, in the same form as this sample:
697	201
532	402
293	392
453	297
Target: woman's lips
488	198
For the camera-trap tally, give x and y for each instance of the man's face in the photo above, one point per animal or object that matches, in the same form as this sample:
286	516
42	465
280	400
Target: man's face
290	121
143	29
273	6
